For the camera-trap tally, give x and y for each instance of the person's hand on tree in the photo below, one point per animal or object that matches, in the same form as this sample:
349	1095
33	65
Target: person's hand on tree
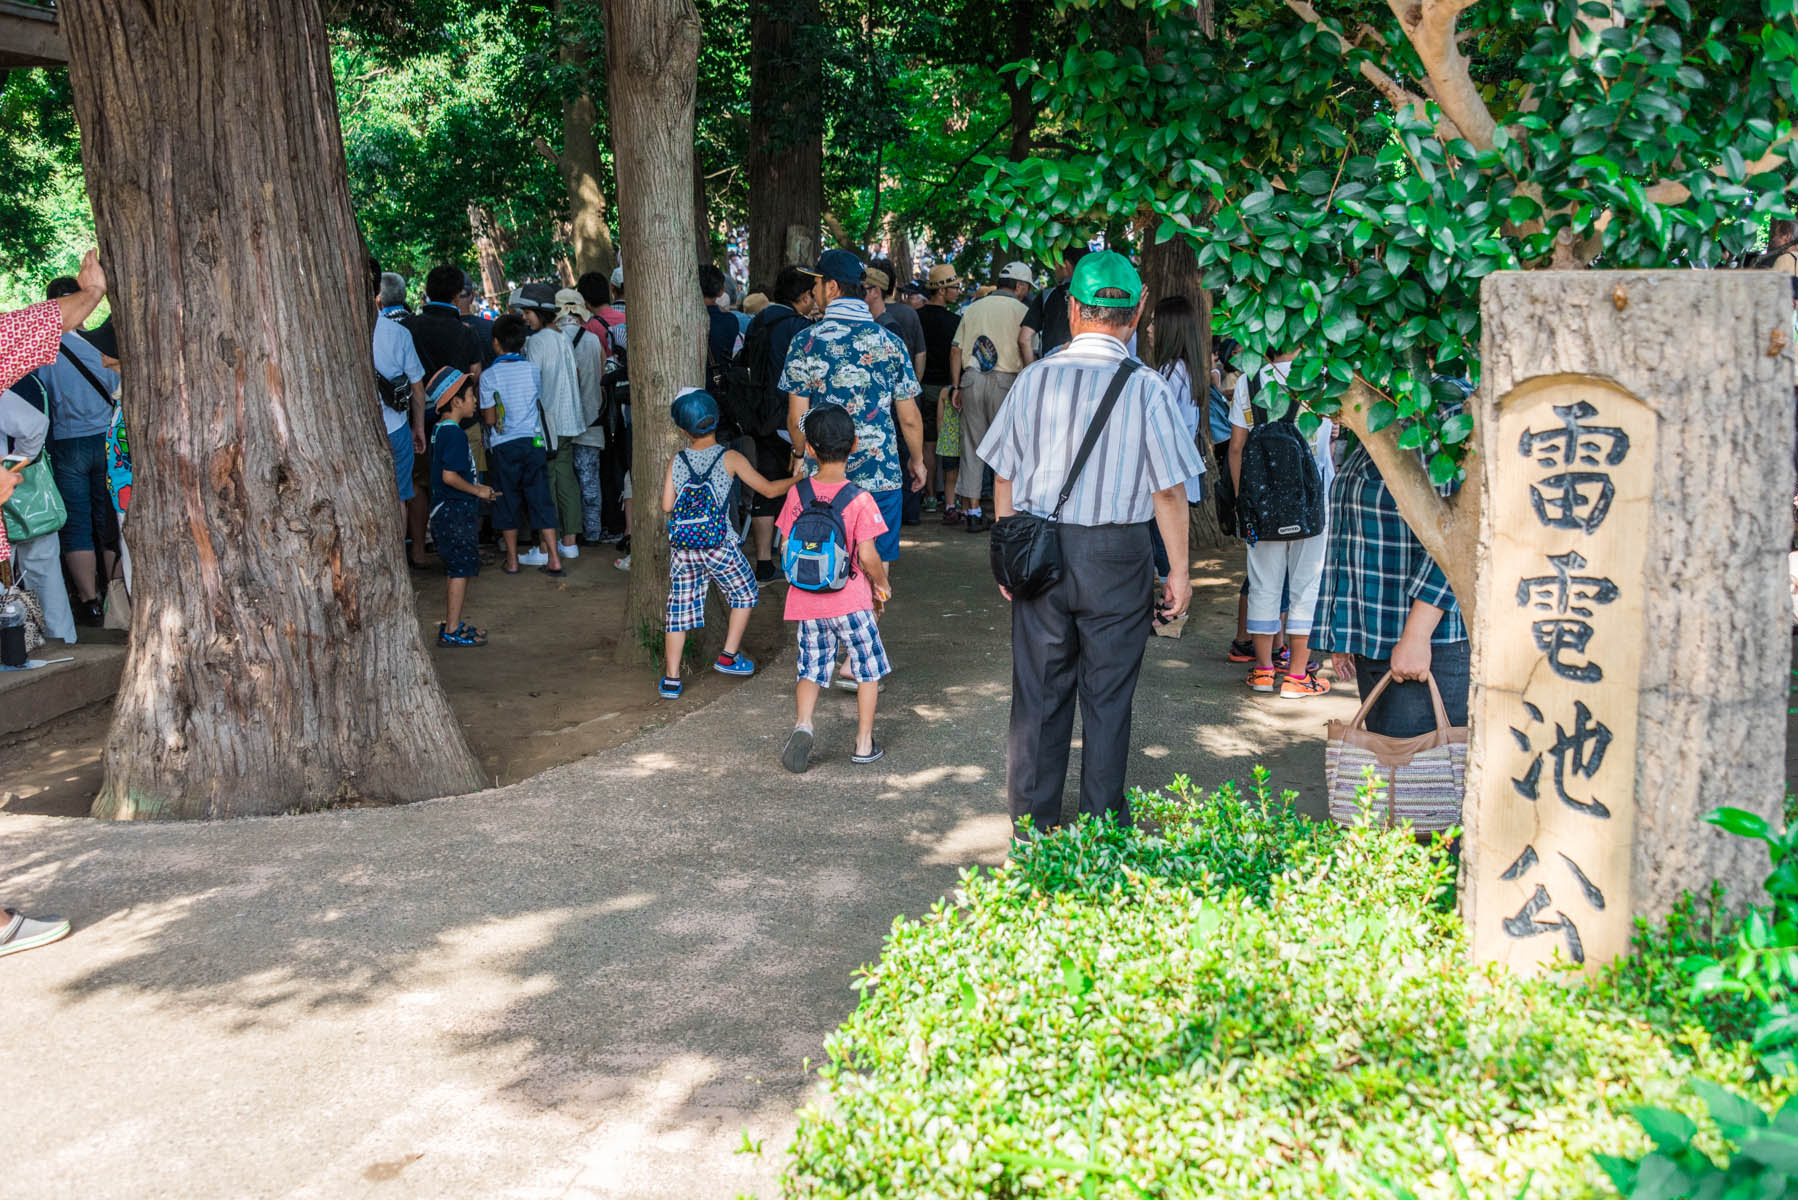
92	277
1342	666
1411	658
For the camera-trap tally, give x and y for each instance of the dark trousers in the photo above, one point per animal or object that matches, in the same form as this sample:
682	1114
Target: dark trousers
1083	637
614	462
1404	710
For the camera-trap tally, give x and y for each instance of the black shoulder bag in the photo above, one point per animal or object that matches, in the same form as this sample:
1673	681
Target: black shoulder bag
1026	550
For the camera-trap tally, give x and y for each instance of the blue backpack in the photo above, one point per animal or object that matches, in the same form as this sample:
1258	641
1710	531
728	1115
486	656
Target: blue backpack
697	522
818	557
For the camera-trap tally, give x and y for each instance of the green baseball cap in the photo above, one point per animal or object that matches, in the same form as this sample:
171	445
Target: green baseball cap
1102	272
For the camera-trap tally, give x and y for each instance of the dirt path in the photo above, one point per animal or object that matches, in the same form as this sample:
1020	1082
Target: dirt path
592	983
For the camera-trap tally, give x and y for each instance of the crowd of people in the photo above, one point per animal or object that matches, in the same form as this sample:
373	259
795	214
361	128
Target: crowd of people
840	404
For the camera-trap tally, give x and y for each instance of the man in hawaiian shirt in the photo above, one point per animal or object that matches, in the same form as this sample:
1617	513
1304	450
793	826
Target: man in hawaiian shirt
849	360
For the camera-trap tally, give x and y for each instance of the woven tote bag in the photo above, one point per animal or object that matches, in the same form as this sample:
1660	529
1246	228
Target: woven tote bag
1425	776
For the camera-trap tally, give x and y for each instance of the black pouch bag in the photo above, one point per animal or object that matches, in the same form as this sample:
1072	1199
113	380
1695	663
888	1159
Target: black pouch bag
1026	549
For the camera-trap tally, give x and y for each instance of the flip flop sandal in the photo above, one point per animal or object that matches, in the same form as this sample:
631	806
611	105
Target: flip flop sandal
798	751
875	754
455	637
511	570
555	574
20	932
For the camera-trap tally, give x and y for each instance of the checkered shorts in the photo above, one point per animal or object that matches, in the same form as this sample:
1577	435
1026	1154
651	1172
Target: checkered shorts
820	637
687	572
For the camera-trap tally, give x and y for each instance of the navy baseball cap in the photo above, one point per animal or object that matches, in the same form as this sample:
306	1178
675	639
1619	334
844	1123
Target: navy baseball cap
841	266
695	412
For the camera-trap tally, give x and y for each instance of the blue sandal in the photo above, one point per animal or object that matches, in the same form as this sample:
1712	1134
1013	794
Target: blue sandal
669	688
461	635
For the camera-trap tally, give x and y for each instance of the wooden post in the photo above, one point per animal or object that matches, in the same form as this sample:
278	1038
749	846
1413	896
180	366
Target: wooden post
1630	664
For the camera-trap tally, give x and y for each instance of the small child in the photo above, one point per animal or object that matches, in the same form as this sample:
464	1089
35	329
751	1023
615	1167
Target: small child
456	493
510	391
829	618
702	545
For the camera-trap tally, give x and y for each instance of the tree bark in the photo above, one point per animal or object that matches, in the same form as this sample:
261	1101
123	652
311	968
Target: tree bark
493	269
1171	268
1018	92
1698	646
899	243
652	66
579	164
275	661
786	137
702	217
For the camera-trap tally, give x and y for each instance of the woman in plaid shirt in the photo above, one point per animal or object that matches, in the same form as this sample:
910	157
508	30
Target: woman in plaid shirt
30	338
1388	607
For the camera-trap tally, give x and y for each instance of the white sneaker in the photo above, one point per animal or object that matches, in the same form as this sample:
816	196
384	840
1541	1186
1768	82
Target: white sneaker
623	564
568	551
534	558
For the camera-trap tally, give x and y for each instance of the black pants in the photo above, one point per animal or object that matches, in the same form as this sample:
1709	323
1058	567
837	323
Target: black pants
614	463
1083	637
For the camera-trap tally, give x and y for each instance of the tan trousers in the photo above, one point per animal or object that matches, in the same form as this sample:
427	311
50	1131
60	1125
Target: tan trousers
981	395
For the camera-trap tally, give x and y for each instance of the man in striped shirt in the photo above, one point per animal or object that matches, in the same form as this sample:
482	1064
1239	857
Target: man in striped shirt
1086	634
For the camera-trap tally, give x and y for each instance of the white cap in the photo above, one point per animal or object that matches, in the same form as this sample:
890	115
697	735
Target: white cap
1018	272
617	276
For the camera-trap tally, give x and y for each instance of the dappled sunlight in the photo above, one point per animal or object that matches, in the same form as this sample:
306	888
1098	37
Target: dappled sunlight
983	839
936	776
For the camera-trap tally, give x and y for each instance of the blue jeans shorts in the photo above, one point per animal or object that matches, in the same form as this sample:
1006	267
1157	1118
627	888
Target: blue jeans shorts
892	510
78	464
400	442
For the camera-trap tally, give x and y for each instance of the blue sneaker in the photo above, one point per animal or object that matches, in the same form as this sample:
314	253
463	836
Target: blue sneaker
669	688
734	664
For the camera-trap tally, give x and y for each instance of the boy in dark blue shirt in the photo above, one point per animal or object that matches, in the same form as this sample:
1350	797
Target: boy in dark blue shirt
456	495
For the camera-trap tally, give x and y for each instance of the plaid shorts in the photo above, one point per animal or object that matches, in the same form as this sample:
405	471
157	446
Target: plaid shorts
687	572
820	637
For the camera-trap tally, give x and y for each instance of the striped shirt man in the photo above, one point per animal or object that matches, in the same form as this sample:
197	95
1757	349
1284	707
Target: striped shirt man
1143	449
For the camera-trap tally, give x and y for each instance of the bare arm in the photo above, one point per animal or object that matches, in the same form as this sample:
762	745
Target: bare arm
453	479
955	377
876	571
917	364
1002	498
1171	520
796	409
739	467
79	306
418	416
911	427
668	488
1238	439
1027	344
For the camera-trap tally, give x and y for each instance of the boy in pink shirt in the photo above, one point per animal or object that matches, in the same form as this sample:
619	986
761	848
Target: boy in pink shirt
831	616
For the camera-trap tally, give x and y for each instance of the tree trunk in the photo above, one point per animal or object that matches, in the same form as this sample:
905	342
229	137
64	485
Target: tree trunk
579	163
1171	268
702	217
493	270
899	242
275	661
786	137
1636	679
652	66
1018	91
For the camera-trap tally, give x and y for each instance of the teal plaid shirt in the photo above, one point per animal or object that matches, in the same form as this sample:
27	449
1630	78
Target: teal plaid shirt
1375	568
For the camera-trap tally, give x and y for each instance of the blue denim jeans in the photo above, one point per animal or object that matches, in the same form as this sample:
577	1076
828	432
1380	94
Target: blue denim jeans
1404	710
79	466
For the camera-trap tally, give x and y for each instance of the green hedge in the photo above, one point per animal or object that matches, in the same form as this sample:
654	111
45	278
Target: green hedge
1242	1004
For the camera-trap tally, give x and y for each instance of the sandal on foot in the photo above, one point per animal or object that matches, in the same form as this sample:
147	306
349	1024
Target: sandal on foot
457	636
479	635
20	932
1241	652
553	573
875	754
798	751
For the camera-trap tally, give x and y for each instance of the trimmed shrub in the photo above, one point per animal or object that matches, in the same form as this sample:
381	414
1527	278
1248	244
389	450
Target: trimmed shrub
1242	1003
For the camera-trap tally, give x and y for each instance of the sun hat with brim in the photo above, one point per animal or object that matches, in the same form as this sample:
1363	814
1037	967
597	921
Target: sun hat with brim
695	412
1018	272
941	275
1105	271
574	304
441	390
878	279
536	295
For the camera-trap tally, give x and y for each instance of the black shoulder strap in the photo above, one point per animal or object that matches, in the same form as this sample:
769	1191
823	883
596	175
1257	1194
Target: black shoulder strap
89	376
807	497
1124	371
580	331
845	496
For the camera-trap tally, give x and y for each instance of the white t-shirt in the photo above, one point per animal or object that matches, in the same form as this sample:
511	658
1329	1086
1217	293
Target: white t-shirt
1239	416
395	355
1180	379
512	384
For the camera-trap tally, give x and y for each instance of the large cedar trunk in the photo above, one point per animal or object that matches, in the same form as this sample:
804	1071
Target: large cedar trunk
652	65
579	161
275	659
1171	268
786	138
493	269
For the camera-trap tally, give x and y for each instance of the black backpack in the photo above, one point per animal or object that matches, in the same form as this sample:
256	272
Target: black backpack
752	399
616	384
1280	497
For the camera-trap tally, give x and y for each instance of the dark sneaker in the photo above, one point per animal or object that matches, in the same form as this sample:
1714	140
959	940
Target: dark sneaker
873	755
766	573
20	932
976	523
798	752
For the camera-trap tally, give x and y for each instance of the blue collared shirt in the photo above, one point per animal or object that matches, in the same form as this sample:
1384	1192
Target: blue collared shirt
77	409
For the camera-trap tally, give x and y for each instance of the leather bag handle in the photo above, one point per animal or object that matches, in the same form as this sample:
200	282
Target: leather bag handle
1442	725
